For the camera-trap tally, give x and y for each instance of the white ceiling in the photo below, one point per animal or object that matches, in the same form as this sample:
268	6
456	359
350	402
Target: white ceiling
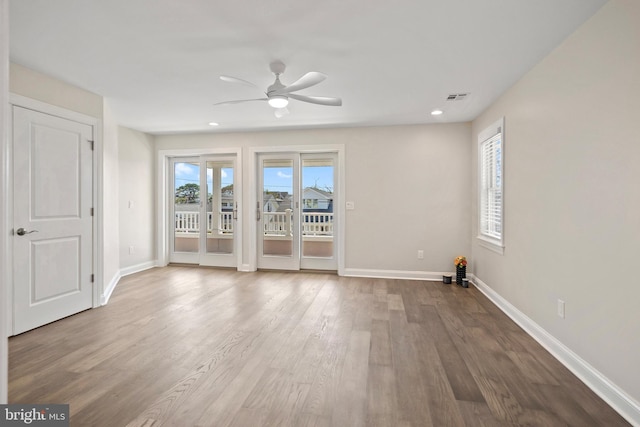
392	62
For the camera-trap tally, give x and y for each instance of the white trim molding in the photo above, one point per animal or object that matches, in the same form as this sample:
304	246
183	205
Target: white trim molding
624	404
108	290
104	298
434	276
137	268
5	280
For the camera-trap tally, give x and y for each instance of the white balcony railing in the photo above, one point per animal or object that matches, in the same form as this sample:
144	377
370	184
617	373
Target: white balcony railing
189	222
313	223
275	223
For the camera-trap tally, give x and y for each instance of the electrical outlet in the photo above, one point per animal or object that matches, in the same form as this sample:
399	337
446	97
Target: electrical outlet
561	308
420	254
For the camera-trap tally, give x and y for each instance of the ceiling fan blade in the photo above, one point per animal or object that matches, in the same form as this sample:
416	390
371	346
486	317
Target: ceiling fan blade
309	79
230	79
240	101
321	100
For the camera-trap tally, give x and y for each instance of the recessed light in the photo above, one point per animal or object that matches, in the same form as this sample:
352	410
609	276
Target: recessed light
436	112
214	124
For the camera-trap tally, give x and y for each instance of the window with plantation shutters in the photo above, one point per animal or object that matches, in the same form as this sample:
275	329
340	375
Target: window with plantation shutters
490	185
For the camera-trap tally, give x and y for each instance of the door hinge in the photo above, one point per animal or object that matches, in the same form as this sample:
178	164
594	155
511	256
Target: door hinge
91	211
92	278
92	143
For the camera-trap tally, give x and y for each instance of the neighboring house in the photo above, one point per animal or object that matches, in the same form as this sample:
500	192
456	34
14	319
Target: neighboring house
284	202
270	203
226	204
317	200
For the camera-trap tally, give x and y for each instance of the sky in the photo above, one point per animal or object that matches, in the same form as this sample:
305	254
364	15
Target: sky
188	173
275	178
280	178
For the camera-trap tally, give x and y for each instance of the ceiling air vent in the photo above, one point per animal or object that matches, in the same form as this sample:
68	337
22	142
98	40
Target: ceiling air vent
457	97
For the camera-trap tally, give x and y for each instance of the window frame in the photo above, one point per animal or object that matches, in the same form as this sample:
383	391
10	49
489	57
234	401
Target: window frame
484	237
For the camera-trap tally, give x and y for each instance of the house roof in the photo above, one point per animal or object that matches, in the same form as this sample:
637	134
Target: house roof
157	63
320	194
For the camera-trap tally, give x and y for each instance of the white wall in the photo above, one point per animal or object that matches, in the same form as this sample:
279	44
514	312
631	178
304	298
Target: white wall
409	185
4	143
136	198
572	204
35	85
109	210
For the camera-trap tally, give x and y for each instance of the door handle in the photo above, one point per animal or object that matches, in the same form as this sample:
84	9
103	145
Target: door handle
258	211
235	212
21	231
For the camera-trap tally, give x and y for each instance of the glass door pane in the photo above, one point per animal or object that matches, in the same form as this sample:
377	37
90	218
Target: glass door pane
186	208
317	207
277	207
220	212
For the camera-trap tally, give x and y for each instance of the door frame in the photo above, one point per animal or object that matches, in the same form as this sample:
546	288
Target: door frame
4	197
163	227
251	196
97	192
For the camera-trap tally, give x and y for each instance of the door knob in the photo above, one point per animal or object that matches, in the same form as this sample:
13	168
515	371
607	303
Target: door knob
21	231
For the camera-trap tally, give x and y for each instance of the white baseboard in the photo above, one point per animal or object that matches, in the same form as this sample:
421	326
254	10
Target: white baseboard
396	274
246	268
624	404
104	299
137	268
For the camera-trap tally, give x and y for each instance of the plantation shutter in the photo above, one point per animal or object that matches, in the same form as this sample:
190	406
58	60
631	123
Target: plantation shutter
491	187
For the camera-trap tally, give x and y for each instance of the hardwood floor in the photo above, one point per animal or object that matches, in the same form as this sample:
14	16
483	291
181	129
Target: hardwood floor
182	346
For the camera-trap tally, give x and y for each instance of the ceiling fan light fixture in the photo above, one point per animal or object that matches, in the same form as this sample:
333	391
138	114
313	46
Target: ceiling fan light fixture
278	101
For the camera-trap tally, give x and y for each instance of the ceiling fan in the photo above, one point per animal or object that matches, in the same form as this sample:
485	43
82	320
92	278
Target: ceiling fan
278	94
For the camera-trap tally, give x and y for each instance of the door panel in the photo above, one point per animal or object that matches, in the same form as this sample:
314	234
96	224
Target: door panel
317	213
278	229
53	225
186	210
221	213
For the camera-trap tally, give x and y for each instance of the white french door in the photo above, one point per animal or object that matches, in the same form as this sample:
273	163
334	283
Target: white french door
53	218
295	211
277	211
204	210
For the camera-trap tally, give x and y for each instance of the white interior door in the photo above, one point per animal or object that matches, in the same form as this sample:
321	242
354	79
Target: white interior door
53	224
204	210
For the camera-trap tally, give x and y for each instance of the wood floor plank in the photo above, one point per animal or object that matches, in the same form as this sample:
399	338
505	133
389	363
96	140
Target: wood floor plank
440	396
350	405
410	390
380	353
382	401
184	346
460	379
